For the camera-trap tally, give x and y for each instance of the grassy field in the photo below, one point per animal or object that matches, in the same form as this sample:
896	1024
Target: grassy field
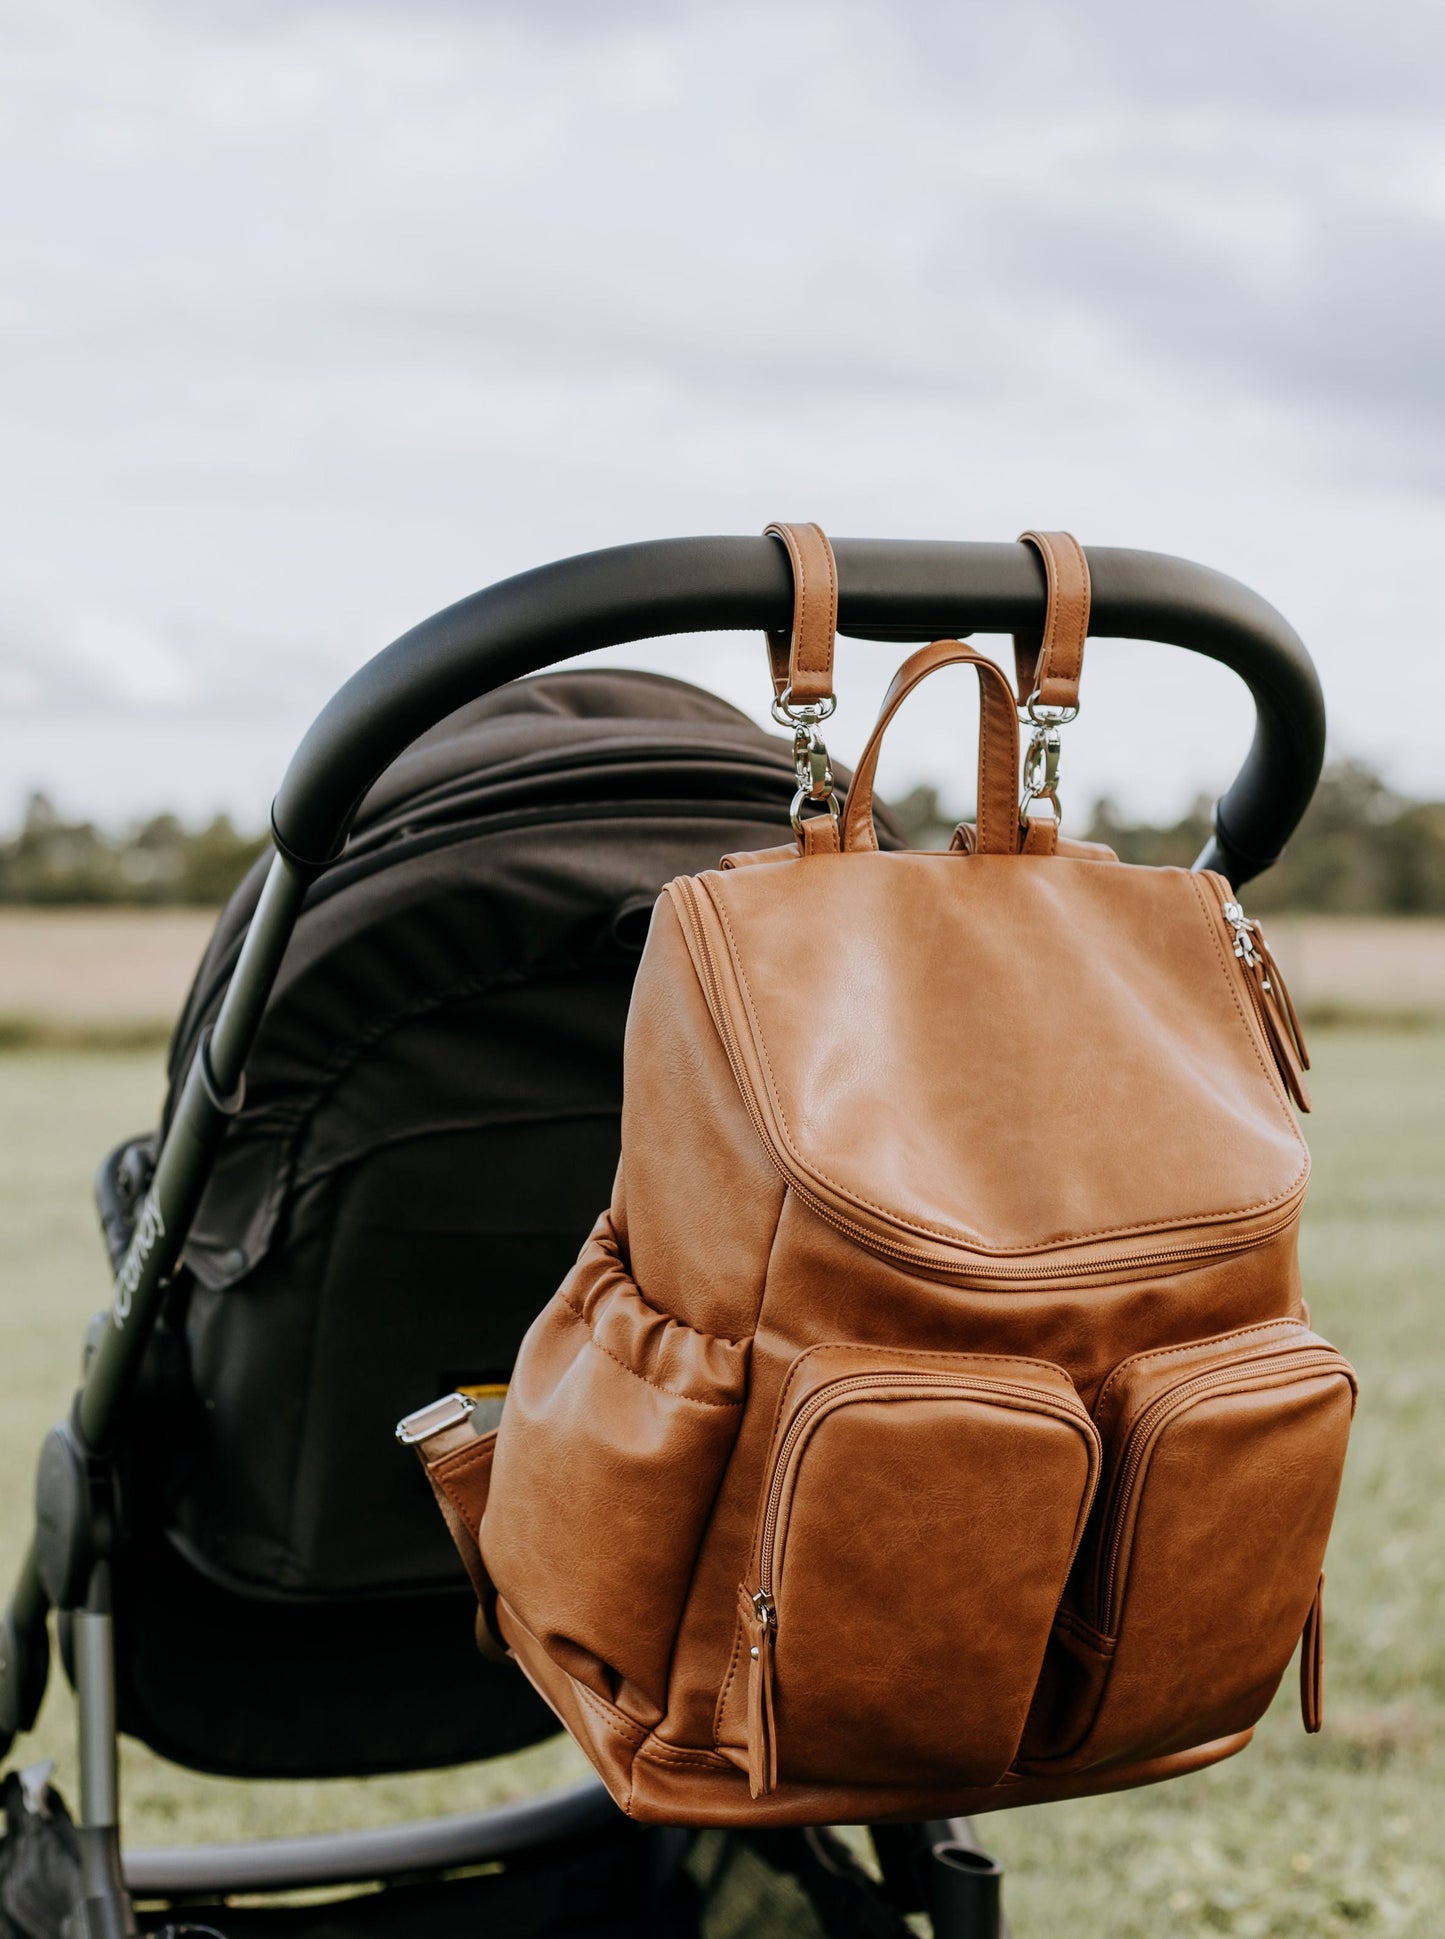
1340	1834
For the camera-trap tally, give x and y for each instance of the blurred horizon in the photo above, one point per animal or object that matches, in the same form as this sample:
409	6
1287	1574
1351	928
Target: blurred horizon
316	317
1361	850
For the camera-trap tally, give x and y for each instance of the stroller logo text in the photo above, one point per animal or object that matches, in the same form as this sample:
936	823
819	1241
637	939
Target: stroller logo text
149	1227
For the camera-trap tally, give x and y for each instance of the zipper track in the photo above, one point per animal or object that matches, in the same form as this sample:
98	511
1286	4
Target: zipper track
1156	1416
1039	1400
933	1260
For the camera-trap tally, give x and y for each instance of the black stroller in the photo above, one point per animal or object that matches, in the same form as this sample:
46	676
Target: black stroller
393	1113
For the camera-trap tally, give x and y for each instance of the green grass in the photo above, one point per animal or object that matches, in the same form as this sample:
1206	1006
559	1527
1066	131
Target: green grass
22	1030
1338	1834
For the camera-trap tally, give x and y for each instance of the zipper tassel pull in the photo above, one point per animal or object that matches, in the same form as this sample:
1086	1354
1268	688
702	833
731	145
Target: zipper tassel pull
762	1729
1272	1004
1282	1041
1312	1663
1275	983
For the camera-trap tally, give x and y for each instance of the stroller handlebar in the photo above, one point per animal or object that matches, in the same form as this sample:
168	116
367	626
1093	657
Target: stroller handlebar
890	589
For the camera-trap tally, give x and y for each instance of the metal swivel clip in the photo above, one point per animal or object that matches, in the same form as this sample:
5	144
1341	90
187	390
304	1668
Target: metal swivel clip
1041	760
810	757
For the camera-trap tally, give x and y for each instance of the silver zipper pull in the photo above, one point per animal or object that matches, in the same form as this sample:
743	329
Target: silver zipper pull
1278	1016
1244	944
766	1611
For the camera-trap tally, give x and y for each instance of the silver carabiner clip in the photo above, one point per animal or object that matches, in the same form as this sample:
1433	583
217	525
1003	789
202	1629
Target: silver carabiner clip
1041	771
811	764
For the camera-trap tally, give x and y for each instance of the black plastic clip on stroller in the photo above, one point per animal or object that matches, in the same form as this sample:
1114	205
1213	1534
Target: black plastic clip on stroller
388	1036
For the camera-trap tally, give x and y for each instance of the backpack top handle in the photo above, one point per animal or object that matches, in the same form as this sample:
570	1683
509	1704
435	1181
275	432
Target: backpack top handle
998	750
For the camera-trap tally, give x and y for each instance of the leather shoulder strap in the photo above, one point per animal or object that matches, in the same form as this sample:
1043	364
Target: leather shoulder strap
802	659
998	750
1049	663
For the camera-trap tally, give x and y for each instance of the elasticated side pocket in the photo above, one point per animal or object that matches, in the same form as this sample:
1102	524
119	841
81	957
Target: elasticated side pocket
460	1473
916	1530
1222	1465
618	1423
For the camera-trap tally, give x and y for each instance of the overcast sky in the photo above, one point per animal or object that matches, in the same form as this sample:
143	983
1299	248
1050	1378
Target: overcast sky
315	318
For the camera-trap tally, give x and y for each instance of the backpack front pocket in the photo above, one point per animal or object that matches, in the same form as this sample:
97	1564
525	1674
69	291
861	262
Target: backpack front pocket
1224	1461
916	1531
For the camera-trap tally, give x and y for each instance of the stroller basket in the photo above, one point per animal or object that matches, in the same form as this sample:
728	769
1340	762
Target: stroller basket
336	826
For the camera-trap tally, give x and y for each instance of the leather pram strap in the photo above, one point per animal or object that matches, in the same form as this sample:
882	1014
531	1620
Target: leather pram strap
1049	663
801	659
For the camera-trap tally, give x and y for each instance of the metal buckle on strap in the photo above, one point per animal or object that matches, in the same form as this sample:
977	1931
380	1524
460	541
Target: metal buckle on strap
1044	715
1041	773
1041	758
450	1411
810	757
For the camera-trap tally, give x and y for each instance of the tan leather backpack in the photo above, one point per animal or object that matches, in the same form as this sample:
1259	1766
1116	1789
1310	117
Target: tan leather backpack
932	1422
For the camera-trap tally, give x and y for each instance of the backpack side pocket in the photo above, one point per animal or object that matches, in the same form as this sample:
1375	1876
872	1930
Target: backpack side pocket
618	1423
457	1463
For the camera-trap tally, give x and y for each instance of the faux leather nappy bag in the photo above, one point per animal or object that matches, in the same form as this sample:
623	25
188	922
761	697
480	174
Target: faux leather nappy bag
932	1422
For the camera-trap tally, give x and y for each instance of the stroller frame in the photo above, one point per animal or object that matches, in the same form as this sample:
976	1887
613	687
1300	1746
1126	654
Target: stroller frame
893	590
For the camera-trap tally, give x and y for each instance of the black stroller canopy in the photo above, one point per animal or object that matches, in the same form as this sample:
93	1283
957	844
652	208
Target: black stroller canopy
503	846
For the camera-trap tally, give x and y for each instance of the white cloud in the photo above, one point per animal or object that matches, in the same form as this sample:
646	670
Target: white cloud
58	653
317	317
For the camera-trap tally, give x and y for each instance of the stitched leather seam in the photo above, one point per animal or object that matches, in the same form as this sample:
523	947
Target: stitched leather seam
1171	1353
806	662
1085	592
720	1709
831	621
1008	707
1045	664
447	1481
800	601
461	1461
1049	663
458	1471
802	635
672	1393
1073	666
979	1360
701	1760
464	1515
939	1232
631	1734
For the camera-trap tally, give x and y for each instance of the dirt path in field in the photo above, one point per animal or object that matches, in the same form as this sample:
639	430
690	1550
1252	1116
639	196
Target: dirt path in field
129	966
99	965
1387	963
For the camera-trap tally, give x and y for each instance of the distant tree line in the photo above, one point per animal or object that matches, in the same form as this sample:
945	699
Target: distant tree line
1360	850
159	861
